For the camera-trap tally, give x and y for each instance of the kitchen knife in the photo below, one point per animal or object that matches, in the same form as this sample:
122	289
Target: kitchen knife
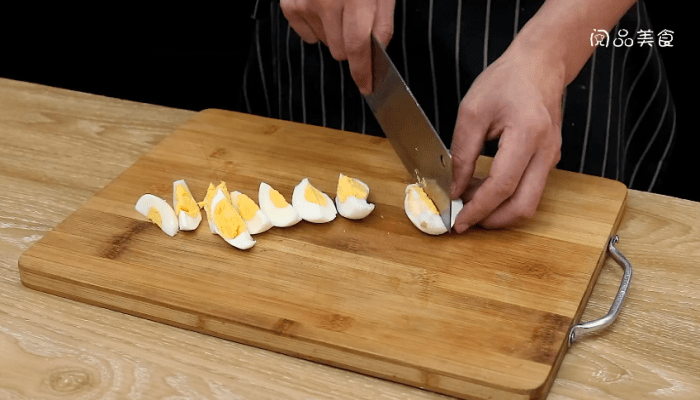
410	132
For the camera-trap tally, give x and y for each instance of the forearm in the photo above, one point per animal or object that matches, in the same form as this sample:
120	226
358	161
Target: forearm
561	30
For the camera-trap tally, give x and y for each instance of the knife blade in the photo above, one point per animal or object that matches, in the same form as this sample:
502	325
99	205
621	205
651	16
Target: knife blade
410	132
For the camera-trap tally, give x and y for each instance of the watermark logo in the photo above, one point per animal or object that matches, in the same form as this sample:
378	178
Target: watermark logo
644	37
600	37
622	39
665	38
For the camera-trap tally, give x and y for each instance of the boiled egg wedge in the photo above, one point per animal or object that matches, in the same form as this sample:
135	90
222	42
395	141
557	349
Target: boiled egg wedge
351	198
274	205
186	208
159	212
422	212
255	220
209	197
228	223
312	204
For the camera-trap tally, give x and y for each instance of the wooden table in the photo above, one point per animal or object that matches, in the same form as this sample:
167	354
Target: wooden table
58	147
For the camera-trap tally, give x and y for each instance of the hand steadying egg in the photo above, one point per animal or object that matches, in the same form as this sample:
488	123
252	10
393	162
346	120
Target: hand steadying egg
422	212
273	204
255	220
159	212
312	204
351	198
228	223
186	208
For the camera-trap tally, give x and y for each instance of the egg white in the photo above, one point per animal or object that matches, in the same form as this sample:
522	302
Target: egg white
457	206
169	222
420	214
243	241
260	222
280	217
352	207
310	211
186	221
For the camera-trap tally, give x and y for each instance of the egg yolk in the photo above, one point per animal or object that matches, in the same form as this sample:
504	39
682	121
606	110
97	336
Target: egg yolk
424	200
350	187
211	192
247	207
314	196
227	220
154	215
277	199
185	202
206	203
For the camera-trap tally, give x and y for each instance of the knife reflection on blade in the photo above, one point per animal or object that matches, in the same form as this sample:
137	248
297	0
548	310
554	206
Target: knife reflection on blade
410	132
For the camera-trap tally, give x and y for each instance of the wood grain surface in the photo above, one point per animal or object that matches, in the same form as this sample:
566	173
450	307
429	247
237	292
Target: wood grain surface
58	148
481	315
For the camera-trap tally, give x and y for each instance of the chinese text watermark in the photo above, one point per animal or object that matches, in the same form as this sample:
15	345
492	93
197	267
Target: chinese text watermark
600	37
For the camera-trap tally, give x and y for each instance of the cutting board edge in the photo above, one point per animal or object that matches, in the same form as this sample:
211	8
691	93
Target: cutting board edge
68	289
534	393
601	261
584	300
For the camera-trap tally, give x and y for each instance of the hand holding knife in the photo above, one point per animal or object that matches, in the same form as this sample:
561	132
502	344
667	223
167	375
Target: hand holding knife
516	98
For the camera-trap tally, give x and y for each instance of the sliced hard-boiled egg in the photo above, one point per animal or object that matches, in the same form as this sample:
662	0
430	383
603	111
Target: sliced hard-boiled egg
422	212
159	212
274	205
186	208
255	220
312	204
209	197
228	223
457	206
351	198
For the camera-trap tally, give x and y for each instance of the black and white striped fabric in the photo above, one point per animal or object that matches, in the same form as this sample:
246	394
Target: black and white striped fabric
619	116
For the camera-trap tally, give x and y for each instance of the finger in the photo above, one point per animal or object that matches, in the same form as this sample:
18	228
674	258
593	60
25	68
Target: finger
523	204
383	28
293	12
358	17
317	26
467	142
507	169
332	19
473	185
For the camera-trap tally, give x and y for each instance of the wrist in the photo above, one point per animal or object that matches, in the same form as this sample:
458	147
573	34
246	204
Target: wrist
536	52
559	33
548	40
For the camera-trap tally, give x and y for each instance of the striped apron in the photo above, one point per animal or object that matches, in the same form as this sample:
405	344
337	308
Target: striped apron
619	118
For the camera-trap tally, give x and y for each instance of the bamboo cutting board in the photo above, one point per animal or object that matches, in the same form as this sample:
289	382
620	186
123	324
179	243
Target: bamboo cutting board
484	314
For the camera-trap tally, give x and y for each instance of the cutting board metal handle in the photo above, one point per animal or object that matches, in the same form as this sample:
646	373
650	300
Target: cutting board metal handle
587	328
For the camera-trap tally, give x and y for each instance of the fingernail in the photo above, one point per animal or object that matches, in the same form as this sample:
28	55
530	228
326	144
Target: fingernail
453	190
